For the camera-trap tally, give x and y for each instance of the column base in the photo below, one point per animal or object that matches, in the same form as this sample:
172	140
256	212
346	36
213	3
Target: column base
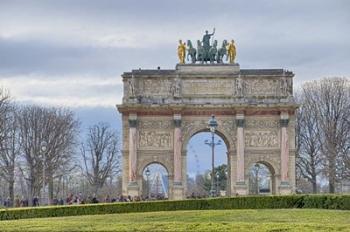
241	188
133	189
285	188
178	191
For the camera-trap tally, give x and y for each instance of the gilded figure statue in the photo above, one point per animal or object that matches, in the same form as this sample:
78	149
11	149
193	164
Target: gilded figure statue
231	50
181	52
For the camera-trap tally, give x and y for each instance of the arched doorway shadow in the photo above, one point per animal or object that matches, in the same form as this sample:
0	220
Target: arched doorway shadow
198	168
155	181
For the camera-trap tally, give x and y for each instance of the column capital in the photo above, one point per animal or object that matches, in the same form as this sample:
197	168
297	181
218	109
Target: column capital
284	122
132	120
240	122
133	123
177	120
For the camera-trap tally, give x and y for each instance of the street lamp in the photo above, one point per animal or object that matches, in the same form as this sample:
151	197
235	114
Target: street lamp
43	149
257	167
212	125
217	184
148	173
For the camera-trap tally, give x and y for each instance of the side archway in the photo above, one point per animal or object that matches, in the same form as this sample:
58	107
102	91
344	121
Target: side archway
155	181
261	178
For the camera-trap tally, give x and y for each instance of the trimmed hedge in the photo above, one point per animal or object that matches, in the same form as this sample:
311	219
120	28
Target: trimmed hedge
341	202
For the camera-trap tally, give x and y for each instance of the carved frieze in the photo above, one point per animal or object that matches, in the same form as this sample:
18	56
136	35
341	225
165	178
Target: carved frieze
155	124
261	87
261	138
155	87
262	123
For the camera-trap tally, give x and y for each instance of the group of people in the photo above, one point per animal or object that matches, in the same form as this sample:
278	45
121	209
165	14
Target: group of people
75	199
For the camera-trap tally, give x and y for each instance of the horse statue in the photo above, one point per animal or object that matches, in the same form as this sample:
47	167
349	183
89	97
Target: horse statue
191	52
221	52
212	52
201	54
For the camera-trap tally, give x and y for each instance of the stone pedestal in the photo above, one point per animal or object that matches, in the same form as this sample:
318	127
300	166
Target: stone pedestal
241	188
208	68
178	192
285	188
133	189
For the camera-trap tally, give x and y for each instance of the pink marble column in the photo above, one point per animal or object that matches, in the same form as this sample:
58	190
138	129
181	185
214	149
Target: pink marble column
132	149
177	150
240	148
284	149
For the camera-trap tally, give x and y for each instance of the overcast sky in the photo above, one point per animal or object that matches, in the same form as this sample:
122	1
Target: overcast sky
72	52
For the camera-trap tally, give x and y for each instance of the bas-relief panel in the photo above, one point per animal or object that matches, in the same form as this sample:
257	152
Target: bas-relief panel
261	138
155	134
155	87
153	140
262	133
261	87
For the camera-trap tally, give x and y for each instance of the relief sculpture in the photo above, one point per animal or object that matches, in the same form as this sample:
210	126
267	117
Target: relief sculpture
155	140
261	87
261	139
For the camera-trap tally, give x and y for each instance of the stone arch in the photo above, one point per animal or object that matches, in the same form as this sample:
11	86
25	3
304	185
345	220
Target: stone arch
271	166
187	137
142	180
148	162
224	136
154	162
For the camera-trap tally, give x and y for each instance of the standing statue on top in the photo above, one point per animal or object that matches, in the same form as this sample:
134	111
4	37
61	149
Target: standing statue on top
206	40
231	50
181	52
207	52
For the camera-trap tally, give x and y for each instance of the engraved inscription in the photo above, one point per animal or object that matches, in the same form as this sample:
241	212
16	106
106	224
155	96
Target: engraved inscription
261	138
207	87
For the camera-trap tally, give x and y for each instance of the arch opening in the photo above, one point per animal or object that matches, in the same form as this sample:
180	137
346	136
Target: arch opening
155	182
261	179
199	182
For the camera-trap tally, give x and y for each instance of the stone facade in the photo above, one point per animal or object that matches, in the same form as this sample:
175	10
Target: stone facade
163	109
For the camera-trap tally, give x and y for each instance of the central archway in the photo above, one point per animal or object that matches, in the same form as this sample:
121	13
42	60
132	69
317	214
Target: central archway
199	164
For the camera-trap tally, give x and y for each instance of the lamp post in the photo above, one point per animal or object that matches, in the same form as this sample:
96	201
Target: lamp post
212	125
148	173
217	184
43	149
257	167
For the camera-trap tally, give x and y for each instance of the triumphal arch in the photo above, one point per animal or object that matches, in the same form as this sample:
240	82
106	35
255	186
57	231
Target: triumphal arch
163	109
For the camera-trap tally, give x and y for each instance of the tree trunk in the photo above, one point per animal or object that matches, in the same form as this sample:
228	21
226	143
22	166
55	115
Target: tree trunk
332	172
314	185
50	193
11	191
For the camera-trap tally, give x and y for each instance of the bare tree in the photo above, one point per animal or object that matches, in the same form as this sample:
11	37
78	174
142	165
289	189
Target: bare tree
57	128
331	100
8	141
309	157
100	155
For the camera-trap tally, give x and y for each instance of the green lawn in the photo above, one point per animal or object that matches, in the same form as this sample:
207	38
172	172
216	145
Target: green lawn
205	220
